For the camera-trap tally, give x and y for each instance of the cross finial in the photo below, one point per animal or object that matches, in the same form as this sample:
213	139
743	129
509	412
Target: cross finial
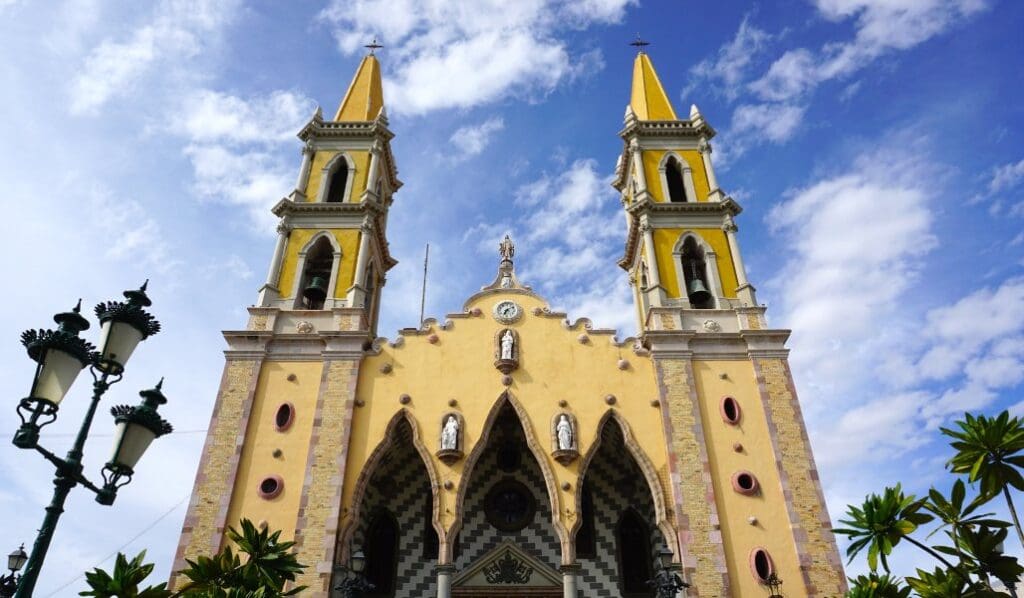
639	43
373	46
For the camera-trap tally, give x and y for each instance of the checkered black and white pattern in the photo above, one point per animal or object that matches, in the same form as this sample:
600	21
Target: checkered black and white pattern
401	484
616	484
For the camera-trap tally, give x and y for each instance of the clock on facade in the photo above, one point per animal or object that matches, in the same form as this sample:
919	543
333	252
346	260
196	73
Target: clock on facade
507	312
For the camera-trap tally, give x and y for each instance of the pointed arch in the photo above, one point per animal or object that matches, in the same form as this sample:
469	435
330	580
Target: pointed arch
348	528
538	451
713	279
676	190
333	166
650	473
301	277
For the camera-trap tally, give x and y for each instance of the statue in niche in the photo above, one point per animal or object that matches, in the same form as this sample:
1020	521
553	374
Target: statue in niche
564	431
507	344
450	434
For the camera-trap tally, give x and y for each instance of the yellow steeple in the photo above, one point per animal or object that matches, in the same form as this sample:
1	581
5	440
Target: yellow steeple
648	100
365	95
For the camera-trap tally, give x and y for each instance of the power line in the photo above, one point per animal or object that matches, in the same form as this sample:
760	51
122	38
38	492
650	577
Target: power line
125	545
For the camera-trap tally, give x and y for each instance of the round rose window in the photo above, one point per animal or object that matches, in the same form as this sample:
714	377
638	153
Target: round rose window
509	506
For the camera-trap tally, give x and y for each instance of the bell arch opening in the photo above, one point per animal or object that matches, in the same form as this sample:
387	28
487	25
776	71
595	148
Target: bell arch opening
695	274
674	181
317	273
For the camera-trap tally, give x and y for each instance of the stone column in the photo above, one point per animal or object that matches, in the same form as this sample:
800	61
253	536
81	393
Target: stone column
654	277
444	580
371	172
569	580
307	165
356	293
714	193
638	168
269	291
744	290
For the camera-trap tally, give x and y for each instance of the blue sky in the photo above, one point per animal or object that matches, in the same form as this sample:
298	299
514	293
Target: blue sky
875	147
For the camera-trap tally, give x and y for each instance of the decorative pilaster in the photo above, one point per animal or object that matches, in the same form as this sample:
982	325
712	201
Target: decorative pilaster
357	292
269	292
569	573
371	173
714	193
745	290
299	194
654	291
638	168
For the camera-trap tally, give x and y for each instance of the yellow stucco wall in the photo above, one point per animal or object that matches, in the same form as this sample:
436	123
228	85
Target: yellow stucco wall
772	530
652	161
665	240
262	439
347	239
554	366
322	158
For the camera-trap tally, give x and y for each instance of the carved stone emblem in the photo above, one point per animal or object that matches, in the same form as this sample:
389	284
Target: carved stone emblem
507	570
712	326
304	327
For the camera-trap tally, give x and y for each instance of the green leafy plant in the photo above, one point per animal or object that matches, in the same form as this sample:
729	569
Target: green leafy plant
988	450
877	586
124	581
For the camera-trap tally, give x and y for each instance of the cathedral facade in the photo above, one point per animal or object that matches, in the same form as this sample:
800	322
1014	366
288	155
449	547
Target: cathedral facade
509	450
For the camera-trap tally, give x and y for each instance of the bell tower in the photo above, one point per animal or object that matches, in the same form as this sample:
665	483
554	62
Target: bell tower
331	248
744	483
681	249
275	450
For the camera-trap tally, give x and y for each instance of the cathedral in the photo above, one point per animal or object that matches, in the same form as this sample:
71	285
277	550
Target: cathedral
509	449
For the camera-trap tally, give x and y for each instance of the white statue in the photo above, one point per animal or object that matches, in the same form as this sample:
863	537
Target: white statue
506	282
564	431
450	434
507	339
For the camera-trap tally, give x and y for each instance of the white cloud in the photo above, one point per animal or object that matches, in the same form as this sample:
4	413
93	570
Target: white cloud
472	139
881	27
179	30
775	123
252	179
1006	176
461	54
729	67
211	116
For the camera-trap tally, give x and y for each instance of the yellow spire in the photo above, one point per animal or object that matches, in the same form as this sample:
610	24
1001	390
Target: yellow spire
365	95
648	100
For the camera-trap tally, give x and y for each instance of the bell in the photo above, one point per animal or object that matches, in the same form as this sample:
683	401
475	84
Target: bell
697	292
316	292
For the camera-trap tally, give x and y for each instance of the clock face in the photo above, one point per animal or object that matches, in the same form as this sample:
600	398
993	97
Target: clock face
507	311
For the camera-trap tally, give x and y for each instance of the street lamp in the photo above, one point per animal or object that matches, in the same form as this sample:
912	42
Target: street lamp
773	582
60	355
15	561
666	583
353	586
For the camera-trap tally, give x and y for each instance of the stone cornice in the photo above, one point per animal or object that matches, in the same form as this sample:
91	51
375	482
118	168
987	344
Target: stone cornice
666	128
654	209
288	208
687	344
317	128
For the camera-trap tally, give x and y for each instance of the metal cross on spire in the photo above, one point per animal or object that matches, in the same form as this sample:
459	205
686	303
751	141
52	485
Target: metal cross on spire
373	46
639	43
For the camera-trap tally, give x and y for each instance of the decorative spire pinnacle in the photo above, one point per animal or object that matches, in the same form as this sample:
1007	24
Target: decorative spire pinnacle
648	98
365	95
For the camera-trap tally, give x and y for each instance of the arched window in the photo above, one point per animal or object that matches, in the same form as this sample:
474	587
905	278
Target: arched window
431	543
586	540
339	180
695	273
634	548
674	178
382	553
316	274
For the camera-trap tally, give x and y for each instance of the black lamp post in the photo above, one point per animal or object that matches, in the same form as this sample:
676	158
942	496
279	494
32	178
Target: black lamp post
9	583
60	355
774	583
666	583
353	586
